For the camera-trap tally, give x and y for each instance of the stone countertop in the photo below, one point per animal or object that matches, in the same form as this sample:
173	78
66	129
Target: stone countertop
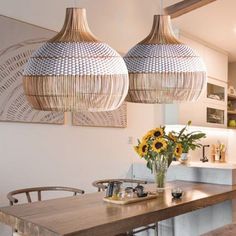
215	173
208	165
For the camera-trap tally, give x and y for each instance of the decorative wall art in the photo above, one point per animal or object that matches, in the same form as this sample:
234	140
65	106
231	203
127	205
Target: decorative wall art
115	119
17	42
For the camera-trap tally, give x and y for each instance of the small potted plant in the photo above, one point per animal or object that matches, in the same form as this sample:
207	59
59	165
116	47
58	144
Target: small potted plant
188	141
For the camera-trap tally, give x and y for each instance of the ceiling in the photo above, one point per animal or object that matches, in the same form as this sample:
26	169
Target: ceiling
214	23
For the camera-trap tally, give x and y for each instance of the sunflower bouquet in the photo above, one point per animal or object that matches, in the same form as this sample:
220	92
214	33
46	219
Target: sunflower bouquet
157	143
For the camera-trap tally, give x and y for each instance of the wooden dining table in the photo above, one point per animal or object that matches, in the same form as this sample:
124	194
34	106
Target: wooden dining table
89	215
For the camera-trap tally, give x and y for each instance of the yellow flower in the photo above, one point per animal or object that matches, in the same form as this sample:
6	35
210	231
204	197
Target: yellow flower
172	137
159	145
136	148
178	150
157	133
141	149
147	136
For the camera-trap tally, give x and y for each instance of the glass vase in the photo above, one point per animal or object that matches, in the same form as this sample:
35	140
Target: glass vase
160	166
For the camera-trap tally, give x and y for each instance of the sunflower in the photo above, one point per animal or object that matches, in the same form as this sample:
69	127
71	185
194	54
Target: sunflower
172	137
147	136
178	150
157	133
141	149
159	145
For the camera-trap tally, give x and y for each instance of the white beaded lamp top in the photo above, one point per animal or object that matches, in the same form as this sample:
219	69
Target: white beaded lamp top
151	58
81	58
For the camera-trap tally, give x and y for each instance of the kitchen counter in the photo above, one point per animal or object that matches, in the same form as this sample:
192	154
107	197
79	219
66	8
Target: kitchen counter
214	165
200	221
213	173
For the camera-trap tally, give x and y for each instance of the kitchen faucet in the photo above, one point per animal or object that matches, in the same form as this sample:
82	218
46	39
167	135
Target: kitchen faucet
204	157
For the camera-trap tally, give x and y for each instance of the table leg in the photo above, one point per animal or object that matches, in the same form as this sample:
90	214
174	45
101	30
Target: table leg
156	229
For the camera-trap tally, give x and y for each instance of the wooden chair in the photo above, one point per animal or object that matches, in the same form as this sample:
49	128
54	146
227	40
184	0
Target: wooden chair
227	230
101	185
38	190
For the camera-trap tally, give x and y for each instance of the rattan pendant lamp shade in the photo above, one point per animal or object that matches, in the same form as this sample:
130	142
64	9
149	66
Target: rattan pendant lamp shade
74	71
162	69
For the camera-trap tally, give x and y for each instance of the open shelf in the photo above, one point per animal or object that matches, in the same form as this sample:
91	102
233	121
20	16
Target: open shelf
231	97
232	109
232	112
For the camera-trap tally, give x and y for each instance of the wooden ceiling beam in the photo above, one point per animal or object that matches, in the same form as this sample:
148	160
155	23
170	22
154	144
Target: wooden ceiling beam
185	6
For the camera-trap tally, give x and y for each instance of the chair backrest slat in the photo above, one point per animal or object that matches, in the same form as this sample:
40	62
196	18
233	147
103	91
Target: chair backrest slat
39	196
28	197
39	190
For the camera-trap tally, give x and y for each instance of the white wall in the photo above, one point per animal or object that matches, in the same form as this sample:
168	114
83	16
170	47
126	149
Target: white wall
39	155
120	23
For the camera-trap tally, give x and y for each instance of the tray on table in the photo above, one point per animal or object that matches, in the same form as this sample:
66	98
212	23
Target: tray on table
130	200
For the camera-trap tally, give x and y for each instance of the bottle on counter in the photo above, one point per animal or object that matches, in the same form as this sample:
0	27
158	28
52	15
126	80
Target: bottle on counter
218	152
213	152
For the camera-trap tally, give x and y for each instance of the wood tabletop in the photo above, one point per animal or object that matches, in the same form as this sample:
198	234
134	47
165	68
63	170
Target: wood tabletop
89	215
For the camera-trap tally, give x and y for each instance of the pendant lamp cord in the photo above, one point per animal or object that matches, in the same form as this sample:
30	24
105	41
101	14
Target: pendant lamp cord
76	4
161	7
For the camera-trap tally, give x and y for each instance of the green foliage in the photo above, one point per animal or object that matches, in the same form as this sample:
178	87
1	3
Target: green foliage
190	141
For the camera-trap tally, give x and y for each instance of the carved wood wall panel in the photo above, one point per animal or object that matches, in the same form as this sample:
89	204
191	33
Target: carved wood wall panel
116	118
16	46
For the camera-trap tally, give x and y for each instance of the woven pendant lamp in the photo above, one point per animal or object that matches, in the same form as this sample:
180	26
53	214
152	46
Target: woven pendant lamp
74	71
162	69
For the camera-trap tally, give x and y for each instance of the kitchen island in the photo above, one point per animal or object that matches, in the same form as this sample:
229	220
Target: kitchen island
204	220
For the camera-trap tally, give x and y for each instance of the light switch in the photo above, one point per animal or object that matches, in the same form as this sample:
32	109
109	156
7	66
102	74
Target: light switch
130	140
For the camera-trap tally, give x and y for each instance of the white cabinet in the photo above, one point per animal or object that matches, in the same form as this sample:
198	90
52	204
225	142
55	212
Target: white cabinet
216	62
216	92
211	108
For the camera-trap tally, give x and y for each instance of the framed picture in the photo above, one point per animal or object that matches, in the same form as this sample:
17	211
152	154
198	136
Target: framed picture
115	119
17	42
